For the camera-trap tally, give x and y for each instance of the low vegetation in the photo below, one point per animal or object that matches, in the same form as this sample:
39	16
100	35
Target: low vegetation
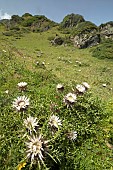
84	27
104	50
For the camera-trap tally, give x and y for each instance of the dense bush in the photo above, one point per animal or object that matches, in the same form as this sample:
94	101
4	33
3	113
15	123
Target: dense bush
26	15
16	19
13	33
104	50
8	33
67	40
16	28
107	23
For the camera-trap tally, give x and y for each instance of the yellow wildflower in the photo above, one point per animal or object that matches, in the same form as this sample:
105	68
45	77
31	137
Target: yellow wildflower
21	165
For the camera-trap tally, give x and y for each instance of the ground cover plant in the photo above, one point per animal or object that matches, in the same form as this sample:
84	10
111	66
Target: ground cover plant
50	118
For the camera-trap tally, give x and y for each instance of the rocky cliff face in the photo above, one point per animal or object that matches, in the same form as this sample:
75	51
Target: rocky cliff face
106	30
93	36
71	20
86	40
86	35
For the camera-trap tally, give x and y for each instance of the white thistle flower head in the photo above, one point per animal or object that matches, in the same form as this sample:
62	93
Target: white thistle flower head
4	51
37	63
35	148
60	87
70	99
104	85
78	62
72	135
54	121
22	86
43	63
7	91
86	85
31	123
80	88
21	103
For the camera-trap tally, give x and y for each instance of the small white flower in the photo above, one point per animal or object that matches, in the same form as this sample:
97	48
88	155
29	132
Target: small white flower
37	63
80	88
54	121
22	86
30	123
104	85
72	135
86	85
78	62
4	51
70	99
7	91
43	63
60	87
21	103
35	148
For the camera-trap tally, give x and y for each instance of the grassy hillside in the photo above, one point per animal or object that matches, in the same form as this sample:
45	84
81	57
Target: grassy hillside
32	59
63	62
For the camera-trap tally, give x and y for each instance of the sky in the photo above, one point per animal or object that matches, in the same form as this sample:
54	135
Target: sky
96	11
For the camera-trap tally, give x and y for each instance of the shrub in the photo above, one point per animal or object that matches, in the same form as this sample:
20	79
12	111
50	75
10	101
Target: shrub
107	23
16	19
67	40
16	28
8	33
26	15
104	50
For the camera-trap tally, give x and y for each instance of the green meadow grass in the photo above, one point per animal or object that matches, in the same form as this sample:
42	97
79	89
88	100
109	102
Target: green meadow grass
91	116
61	61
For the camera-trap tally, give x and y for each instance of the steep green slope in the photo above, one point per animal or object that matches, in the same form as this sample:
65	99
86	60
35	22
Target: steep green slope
34	60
